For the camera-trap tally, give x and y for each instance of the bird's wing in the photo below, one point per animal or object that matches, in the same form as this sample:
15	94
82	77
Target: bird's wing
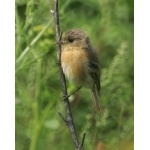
94	72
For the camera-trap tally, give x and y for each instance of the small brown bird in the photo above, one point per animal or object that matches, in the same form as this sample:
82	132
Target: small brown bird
80	63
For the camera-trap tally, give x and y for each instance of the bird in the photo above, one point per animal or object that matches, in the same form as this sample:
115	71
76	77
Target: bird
80	63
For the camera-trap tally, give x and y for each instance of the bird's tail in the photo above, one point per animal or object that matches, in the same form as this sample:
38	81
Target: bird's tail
96	98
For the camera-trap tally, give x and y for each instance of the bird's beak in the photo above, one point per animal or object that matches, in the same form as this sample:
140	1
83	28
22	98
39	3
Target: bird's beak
61	42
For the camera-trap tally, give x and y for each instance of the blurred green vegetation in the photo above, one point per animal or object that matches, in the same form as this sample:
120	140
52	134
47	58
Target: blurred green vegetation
110	25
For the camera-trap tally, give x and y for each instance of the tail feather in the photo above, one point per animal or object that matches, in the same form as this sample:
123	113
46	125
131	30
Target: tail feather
96	99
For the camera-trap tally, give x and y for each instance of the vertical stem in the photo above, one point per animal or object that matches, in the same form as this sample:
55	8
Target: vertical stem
69	120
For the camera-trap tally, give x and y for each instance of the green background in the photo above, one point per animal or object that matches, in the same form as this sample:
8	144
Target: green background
110	26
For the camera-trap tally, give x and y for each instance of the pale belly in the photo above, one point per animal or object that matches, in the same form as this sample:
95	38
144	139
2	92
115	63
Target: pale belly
74	64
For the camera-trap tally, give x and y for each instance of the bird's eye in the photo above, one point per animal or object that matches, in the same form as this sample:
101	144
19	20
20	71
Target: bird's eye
70	40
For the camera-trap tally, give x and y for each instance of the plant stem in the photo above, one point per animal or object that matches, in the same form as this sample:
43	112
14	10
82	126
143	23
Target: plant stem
69	120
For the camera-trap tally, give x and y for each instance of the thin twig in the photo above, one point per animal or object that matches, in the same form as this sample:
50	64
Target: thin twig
62	118
72	93
69	119
82	143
